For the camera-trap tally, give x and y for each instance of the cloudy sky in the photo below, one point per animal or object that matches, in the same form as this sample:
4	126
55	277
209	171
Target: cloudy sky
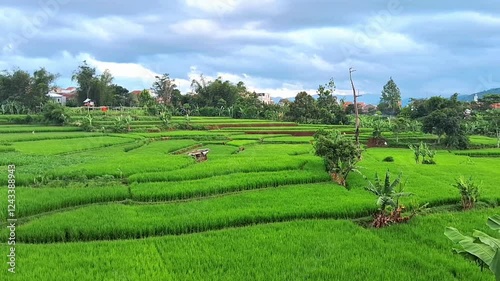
275	46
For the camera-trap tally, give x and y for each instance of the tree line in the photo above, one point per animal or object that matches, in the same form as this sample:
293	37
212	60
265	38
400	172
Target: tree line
451	120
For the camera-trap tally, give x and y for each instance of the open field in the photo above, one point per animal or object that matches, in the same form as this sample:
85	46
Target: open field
93	206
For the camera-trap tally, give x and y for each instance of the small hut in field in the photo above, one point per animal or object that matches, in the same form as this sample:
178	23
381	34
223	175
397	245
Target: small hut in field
200	155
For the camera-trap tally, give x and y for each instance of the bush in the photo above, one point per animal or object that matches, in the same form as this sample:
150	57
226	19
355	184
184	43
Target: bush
388	159
54	113
424	151
460	141
339	153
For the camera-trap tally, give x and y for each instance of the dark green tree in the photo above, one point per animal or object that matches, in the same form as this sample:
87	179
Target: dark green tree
390	101
303	109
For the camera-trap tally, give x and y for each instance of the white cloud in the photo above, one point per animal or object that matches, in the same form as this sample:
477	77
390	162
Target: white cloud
221	7
196	27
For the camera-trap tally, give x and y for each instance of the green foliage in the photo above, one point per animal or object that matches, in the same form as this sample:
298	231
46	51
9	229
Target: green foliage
121	124
54	113
164	87
209	93
390	101
22	92
469	192
398	126
388	194
98	88
339	153
449	121
303	109
481	247
493	124
379	125
423	150
388	159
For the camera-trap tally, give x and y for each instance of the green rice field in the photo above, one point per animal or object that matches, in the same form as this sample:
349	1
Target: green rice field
136	206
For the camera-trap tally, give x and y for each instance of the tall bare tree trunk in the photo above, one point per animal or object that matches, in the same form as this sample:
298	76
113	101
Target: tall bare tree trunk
356	110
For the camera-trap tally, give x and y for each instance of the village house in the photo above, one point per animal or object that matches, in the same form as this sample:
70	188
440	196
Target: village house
265	98
57	97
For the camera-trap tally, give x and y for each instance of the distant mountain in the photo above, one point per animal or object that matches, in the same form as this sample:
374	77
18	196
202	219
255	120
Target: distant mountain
479	95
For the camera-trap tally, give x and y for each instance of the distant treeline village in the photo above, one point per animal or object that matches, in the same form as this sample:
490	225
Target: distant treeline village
22	92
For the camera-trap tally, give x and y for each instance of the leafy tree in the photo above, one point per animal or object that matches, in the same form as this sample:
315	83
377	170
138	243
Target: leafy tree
487	100
447	121
493	124
21	92
164	87
339	153
390	101
248	105
85	76
303	109
209	93
98	88
329	110
105	88
481	248
145	98
121	96
423	107
42	83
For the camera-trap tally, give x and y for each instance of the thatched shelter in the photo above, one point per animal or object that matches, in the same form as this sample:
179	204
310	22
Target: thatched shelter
200	155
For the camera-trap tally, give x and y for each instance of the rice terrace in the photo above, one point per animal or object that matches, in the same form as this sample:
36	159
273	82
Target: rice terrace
134	205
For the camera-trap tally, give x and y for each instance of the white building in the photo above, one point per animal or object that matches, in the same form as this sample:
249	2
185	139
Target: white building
265	98
57	97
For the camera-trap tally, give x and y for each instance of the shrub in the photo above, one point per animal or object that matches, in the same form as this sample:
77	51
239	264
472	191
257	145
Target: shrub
469	192
423	150
460	141
121	124
388	159
340	154
54	113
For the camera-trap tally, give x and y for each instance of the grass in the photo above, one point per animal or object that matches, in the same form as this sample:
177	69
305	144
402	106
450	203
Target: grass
22	137
223	184
36	129
34	201
117	221
265	212
51	147
219	167
300	250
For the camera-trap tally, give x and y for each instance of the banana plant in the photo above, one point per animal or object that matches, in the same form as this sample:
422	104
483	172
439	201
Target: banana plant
481	248
388	193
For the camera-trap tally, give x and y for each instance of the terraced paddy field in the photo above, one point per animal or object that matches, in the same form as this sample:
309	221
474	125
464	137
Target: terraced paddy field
93	206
